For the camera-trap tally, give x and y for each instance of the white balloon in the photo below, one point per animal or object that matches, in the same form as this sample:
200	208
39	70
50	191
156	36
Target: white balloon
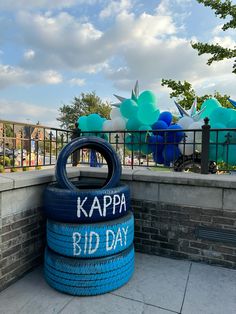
119	124
197	136
115	113
185	122
107	125
186	146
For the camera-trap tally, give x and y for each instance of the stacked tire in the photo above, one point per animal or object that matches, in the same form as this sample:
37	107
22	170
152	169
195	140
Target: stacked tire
90	228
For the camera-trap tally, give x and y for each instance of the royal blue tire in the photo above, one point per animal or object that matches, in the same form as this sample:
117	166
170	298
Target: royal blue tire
80	206
91	240
88	277
97	144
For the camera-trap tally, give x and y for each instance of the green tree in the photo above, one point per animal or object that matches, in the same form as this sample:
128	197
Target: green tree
223	9
83	105
185	94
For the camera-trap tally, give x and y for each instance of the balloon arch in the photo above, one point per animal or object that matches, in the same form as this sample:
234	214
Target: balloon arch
163	138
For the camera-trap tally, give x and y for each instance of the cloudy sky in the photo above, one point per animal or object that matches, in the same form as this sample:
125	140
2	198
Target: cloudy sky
51	51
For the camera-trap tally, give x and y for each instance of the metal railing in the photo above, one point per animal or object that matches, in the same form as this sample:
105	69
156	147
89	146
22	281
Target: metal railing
203	150
30	145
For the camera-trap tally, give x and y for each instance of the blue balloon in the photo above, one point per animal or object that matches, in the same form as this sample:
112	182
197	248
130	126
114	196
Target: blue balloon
158	158
170	153
175	137
155	142
166	116
159	125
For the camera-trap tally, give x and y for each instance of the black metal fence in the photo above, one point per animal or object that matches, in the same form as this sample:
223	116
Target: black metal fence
203	150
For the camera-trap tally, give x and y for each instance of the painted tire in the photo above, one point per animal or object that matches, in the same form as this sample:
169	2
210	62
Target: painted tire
77	206
99	145
91	240
88	277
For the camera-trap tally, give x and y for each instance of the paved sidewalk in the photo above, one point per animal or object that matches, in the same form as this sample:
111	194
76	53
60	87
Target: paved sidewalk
159	286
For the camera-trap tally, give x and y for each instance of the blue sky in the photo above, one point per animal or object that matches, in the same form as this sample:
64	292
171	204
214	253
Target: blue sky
51	51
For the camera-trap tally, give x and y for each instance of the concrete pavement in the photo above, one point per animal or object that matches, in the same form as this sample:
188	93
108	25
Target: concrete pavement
159	286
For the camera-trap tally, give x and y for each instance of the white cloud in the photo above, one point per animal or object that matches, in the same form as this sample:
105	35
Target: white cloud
13	5
10	76
115	7
27	112
29	54
77	82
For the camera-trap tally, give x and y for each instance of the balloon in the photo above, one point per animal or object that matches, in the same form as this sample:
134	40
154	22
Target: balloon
186	146
166	116
196	136
216	152
158	158
132	142
147	97
119	124
220	135
229	155
159	125
147	114
82	123
175	137
133	124
155	142
94	122
170	153
115	113
107	126
232	114
128	108
220	115
232	125
145	148
210	105
185	122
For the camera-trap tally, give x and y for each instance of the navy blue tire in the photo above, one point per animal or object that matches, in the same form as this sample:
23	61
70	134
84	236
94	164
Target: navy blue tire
91	240
81	206
88	277
97	144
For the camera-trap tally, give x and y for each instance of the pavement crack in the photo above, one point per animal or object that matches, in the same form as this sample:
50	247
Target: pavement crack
186	286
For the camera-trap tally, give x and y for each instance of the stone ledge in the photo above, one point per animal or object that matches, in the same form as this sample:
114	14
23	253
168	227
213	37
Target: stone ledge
16	180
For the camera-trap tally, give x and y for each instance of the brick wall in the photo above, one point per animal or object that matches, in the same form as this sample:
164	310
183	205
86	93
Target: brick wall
170	230
22	243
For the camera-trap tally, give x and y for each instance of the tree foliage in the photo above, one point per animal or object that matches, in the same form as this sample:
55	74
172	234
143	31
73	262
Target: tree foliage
223	9
185	94
85	104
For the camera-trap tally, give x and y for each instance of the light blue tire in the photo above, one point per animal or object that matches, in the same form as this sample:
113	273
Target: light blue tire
91	240
91	276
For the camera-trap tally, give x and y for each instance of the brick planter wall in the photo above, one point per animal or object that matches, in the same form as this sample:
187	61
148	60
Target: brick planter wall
180	215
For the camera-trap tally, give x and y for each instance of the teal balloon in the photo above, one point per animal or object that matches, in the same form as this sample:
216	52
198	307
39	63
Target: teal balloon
143	136
94	122
232	125
220	135
133	124
210	105
216	152
128	108
220	115
148	114
82	123
230	154
232	113
132	142
147	97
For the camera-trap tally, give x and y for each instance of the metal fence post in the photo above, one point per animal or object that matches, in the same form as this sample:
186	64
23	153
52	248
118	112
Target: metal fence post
205	146
76	154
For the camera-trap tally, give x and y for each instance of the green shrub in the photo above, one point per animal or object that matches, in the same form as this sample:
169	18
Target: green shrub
13	169
4	160
2	169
